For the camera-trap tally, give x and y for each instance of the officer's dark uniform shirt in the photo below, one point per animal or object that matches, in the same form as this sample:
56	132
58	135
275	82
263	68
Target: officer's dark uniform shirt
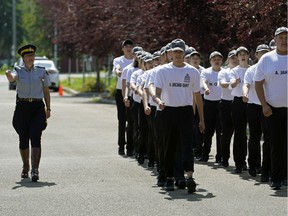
30	83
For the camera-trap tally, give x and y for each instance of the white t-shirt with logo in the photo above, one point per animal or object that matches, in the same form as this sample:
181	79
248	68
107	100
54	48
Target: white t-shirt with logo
177	84
121	62
237	72
224	77
248	79
272	68
211	76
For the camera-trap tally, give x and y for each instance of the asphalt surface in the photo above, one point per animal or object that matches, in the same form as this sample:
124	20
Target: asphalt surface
82	174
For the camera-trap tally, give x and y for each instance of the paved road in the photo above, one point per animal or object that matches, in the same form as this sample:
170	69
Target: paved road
81	173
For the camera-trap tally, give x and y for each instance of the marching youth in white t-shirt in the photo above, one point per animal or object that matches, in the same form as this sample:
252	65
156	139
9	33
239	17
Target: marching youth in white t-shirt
248	79
177	84
133	79
120	62
237	72
224	77
272	68
211	78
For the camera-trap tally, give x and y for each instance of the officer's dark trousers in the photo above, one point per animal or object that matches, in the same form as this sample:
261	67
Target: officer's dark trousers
240	125
227	128
159	144
254	113
143	131
121	114
151	135
178	129
277	124
29	121
212	124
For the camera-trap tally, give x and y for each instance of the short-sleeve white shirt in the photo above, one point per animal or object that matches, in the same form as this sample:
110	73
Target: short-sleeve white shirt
133	79
272	68
121	62
211	78
177	84
237	72
248	79
223	77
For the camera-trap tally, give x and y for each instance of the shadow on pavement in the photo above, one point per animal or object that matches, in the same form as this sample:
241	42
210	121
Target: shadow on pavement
199	195
29	184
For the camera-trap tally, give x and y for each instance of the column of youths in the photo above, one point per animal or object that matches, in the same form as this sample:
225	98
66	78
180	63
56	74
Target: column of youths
176	106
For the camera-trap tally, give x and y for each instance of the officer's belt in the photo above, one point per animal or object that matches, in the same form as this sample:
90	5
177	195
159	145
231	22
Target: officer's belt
29	99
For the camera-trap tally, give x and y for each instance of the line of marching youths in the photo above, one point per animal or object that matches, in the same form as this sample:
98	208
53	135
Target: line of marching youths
169	108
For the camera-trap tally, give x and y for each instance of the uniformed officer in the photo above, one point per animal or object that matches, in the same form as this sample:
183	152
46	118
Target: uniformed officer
31	111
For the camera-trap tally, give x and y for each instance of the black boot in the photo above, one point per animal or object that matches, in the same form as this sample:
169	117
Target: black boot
35	160
25	159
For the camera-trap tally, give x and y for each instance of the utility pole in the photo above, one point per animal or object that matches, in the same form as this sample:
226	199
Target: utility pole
55	42
14	42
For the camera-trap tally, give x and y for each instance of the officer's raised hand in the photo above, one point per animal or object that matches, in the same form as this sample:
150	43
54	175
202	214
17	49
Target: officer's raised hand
9	76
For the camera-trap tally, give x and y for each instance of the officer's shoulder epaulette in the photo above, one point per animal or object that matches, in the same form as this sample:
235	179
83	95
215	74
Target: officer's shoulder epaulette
17	68
40	67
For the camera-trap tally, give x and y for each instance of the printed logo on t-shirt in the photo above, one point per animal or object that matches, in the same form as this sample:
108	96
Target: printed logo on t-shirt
281	72
185	83
187	78
213	84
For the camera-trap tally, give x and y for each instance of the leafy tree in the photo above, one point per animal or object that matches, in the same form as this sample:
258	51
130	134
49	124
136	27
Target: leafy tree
6	28
98	27
36	29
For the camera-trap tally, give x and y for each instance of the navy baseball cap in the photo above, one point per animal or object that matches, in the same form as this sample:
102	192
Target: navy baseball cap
241	48
127	42
281	30
178	44
272	44
188	51
156	54
232	53
262	47
215	53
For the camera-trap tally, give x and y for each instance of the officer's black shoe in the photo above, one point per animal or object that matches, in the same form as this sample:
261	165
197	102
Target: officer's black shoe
238	170
180	184
252	172
121	150
284	183
24	174
34	175
169	185
191	185
276	185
